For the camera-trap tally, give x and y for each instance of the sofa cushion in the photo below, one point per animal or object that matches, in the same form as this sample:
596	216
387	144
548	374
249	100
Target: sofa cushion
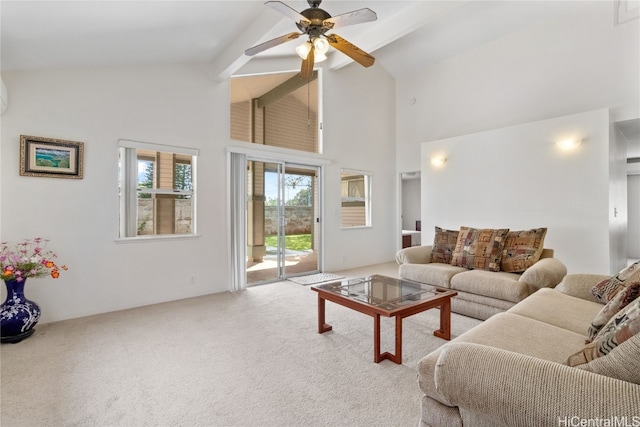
525	336
556	308
619	301
499	285
608	288
579	285
622	362
479	248
444	243
478	303
436	414
546	273
435	274
522	249
620	327
508	332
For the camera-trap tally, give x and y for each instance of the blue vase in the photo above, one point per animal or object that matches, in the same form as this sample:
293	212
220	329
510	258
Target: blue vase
18	315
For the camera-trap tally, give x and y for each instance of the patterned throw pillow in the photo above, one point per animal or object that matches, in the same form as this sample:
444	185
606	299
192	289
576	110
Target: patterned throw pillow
522	249
608	288
444	243
622	326
479	248
620	301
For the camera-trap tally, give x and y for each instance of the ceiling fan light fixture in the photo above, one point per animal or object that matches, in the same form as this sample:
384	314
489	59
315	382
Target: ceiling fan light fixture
303	50
319	54
321	46
319	57
315	22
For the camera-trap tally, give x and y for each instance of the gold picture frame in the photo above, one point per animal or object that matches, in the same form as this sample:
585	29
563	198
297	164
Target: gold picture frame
51	158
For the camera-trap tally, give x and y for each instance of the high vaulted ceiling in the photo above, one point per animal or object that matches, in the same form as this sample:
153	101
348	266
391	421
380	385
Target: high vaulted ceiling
408	35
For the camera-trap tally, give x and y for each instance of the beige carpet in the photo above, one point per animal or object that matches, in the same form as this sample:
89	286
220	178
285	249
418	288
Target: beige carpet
251	358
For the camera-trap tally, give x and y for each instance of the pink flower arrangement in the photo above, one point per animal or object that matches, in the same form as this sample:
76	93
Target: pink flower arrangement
29	259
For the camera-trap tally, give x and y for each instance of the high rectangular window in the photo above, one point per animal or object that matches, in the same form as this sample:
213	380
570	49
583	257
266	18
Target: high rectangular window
157	189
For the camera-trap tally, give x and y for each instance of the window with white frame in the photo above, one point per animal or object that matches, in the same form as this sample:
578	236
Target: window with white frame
157	189
355	199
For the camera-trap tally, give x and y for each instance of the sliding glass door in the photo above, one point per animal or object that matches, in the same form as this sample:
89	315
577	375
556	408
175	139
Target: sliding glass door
282	229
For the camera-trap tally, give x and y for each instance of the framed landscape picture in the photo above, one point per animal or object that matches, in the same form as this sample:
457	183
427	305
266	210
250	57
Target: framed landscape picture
54	158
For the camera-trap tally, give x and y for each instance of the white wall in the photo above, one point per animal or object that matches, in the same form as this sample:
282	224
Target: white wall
165	105
176	105
515	177
571	64
359	134
579	62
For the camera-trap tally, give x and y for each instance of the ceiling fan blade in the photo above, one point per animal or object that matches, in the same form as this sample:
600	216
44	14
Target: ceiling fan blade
271	43
351	50
306	70
356	17
288	11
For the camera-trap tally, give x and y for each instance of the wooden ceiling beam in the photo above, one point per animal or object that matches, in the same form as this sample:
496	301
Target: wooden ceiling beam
285	89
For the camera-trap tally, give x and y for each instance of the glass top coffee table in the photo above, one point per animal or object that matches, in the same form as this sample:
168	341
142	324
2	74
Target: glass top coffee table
385	296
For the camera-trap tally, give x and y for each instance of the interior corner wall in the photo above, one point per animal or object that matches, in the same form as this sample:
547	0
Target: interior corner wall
573	63
515	177
359	134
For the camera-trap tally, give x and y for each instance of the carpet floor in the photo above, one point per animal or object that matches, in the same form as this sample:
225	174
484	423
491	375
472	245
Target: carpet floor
250	358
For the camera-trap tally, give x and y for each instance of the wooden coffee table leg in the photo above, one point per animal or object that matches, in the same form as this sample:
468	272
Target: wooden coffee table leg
445	321
398	356
377	356
322	326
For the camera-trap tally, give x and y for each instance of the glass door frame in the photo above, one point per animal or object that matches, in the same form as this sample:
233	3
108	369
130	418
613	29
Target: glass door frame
316	240
281	171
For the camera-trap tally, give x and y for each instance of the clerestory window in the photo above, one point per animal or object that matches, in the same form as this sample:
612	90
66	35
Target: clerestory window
157	189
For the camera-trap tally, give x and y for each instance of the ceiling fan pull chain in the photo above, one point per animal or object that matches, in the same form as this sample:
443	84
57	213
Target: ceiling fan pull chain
309	104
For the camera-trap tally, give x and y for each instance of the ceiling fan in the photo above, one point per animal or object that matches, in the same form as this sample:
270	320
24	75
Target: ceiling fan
315	23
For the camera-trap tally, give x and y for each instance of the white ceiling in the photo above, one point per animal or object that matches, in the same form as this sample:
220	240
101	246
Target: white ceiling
407	36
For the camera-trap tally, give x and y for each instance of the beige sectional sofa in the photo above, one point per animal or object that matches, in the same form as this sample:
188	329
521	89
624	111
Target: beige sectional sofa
481	293
511	370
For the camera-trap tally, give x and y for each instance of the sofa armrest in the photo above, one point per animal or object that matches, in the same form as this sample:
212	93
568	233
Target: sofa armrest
579	285
496	387
546	273
414	255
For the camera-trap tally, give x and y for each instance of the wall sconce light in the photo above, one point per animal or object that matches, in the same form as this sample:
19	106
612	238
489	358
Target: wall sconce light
568	144
438	161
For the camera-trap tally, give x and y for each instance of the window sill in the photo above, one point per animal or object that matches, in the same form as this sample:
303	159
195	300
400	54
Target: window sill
140	239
